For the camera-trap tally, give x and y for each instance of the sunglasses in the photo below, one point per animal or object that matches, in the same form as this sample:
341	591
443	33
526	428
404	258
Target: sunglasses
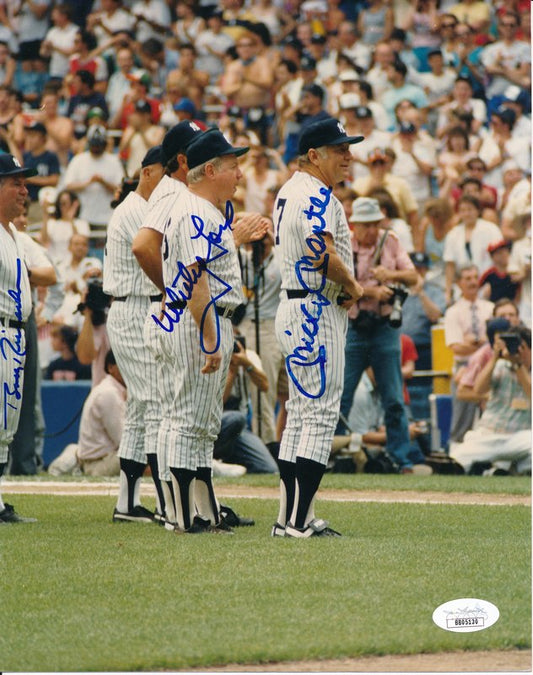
509	25
448	25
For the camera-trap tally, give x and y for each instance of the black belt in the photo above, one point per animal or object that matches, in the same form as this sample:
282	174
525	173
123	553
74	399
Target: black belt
300	293
293	294
221	311
153	298
12	323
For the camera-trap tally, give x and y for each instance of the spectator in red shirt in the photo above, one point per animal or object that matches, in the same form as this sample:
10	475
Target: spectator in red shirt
84	43
409	356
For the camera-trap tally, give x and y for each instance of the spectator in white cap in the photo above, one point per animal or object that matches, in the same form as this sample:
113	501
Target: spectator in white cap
347	105
345	83
380	265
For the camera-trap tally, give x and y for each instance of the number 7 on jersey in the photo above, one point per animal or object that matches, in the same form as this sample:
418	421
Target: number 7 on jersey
280	206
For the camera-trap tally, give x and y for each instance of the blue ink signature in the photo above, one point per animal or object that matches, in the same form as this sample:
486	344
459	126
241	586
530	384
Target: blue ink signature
301	355
183	284
15	348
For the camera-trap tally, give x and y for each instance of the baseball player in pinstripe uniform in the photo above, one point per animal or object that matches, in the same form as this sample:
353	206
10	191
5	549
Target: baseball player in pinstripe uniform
147	249
15	307
318	287
203	285
133	293
167	197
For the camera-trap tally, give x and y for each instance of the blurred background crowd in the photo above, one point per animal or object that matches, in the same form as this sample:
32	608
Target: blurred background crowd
439	88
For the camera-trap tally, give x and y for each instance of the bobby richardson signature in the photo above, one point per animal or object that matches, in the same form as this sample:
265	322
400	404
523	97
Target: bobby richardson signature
305	355
14	350
183	283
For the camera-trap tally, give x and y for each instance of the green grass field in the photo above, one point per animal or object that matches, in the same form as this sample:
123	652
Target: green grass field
79	593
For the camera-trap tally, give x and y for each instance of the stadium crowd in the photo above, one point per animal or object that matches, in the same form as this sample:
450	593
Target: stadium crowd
440	90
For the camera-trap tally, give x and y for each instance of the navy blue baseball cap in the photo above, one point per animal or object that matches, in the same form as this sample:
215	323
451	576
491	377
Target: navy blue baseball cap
153	156
506	115
10	166
307	63
178	138
209	145
36	126
186	105
325	132
407	128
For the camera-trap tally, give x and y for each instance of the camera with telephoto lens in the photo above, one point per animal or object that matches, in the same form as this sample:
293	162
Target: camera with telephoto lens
398	298
239	340
97	301
512	342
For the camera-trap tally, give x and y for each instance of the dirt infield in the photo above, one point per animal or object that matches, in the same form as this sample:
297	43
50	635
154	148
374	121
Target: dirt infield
110	488
444	662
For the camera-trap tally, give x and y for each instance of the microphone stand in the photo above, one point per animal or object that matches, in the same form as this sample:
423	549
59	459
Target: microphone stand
257	253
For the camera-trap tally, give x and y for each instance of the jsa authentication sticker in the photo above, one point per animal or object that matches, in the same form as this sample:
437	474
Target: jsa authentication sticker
466	615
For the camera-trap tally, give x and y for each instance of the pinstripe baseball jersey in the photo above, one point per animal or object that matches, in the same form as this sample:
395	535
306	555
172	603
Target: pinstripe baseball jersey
15	305
199	231
15	292
305	207
161	203
122	274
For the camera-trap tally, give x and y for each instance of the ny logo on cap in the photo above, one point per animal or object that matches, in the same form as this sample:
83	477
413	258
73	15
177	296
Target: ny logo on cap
17	163
341	128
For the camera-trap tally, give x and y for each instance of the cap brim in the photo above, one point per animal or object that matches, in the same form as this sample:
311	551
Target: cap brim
25	173
235	151
347	139
366	219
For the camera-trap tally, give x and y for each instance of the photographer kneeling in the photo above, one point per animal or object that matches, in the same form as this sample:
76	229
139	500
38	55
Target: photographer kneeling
502	435
380	265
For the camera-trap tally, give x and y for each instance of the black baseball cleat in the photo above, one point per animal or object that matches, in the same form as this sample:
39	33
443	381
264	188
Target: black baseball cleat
221	528
9	515
277	530
199	526
316	528
137	515
202	526
232	519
